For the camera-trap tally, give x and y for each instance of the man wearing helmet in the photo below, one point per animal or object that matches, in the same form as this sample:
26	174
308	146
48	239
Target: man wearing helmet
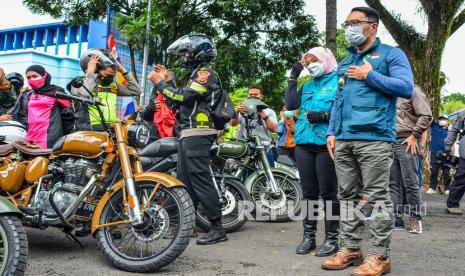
195	120
7	96
100	68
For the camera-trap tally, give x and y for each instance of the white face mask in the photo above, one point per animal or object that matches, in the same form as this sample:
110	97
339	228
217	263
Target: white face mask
442	123
354	35
316	69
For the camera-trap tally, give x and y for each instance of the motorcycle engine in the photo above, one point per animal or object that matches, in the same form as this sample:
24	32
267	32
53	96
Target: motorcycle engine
73	173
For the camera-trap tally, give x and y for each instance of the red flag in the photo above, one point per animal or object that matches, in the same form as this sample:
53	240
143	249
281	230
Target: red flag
112	47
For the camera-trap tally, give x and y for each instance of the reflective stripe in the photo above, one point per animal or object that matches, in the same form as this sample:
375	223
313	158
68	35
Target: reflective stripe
173	96
197	87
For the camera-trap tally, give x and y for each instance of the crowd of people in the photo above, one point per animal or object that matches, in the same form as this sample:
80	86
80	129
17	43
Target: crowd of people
357	132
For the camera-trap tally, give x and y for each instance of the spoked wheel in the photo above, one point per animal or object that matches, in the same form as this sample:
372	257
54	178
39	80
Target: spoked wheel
236	201
276	206
13	246
164	234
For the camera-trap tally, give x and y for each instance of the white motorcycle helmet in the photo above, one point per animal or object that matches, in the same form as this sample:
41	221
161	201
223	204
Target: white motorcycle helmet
12	132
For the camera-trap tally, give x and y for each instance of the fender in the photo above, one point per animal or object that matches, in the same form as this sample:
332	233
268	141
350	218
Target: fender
6	207
253	176
164	179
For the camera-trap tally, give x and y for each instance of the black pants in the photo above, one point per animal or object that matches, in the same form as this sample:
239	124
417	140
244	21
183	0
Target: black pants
458	186
287	151
317	176
435	167
194	171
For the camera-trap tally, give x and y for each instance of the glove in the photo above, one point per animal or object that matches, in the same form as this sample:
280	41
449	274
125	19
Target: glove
317	117
296	69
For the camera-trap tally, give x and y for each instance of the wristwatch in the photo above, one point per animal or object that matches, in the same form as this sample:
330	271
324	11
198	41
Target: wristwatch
421	146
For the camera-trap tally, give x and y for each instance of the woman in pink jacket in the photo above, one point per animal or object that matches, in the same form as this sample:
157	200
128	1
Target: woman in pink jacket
48	118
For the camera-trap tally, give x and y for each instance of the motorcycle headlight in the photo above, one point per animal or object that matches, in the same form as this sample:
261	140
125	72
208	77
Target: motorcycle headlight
138	135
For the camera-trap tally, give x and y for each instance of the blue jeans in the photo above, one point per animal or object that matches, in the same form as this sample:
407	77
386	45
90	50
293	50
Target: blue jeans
270	156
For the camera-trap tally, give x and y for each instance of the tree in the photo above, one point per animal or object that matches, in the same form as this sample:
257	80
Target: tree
452	106
257	41
331	25
342	45
81	11
424	52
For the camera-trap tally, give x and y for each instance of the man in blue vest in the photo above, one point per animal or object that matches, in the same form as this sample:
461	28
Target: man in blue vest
361	133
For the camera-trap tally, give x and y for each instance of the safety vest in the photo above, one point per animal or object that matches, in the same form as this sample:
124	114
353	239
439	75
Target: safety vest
231	133
108	96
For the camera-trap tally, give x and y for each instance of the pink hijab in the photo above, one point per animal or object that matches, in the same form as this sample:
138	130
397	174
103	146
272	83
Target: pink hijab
325	56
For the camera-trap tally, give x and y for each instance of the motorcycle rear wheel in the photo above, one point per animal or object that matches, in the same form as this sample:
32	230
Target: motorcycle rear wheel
13	246
170	222
233	215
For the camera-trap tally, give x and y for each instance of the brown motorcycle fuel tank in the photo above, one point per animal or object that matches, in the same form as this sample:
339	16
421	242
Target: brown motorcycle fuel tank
86	144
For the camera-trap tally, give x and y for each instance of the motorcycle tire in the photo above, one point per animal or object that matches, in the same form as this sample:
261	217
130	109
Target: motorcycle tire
13	246
180	199
290	187
233	220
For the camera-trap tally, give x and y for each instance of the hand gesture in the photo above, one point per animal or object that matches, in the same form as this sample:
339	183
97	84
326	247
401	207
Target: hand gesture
359	72
241	108
2	75
92	65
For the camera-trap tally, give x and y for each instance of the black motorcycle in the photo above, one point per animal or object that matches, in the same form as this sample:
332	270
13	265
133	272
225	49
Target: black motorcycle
162	156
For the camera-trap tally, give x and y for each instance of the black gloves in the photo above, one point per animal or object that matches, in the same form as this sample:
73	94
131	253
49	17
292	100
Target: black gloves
318	117
295	71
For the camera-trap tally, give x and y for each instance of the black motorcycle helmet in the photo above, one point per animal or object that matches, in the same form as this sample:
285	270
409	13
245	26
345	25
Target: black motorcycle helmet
17	80
193	49
106	59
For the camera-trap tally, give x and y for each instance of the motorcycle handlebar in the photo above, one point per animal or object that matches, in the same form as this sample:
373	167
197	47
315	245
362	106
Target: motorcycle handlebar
77	98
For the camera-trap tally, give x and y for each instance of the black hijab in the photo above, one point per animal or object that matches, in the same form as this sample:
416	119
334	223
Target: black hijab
47	89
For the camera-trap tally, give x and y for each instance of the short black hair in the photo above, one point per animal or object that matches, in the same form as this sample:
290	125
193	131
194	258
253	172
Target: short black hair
257	87
370	13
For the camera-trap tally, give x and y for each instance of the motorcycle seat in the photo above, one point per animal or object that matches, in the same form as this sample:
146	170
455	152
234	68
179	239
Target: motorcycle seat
161	148
32	149
7	149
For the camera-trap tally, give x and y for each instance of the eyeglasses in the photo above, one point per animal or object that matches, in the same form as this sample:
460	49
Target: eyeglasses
354	23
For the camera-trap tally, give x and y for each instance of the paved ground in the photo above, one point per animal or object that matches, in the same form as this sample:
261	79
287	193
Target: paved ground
267	249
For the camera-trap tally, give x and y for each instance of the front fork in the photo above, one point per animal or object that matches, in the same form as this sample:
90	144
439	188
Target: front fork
268	172
132	202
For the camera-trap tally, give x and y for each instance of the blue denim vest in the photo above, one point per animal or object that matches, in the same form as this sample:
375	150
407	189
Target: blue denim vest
364	113
317	96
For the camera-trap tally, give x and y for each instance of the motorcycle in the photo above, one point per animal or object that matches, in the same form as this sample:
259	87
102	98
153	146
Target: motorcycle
13	240
276	191
12	132
161	156
142	221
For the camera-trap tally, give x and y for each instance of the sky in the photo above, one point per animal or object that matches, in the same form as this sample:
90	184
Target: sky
16	15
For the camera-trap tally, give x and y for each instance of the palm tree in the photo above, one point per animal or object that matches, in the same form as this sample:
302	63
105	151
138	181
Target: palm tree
331	25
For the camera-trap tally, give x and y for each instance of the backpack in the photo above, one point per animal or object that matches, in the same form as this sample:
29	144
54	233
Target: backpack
221	107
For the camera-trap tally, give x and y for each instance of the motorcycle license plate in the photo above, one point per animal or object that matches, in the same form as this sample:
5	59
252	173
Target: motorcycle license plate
85	210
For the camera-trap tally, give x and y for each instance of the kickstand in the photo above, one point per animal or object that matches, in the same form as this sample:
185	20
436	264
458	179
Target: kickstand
72	237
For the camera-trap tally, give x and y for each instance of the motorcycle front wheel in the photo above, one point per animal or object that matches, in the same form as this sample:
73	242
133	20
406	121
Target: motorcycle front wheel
13	246
276	207
168	224
236	201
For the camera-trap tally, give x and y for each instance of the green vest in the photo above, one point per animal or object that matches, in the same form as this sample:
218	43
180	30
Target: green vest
108	96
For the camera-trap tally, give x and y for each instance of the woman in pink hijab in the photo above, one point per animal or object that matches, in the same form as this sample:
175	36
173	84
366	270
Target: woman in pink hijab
316	168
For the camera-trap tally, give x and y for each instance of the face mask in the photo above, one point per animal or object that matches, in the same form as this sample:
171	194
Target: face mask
288	114
106	80
355	36
443	123
316	69
37	83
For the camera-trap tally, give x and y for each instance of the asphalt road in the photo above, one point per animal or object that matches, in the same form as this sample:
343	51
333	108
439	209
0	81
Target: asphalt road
267	249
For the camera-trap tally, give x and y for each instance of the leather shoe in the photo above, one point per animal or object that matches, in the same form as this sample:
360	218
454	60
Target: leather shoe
373	266
344	258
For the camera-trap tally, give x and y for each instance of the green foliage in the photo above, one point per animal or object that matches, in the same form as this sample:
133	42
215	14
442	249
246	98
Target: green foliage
342	44
459	97
257	41
452	106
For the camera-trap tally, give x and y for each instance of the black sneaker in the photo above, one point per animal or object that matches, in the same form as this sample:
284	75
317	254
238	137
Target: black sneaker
399	224
213	236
